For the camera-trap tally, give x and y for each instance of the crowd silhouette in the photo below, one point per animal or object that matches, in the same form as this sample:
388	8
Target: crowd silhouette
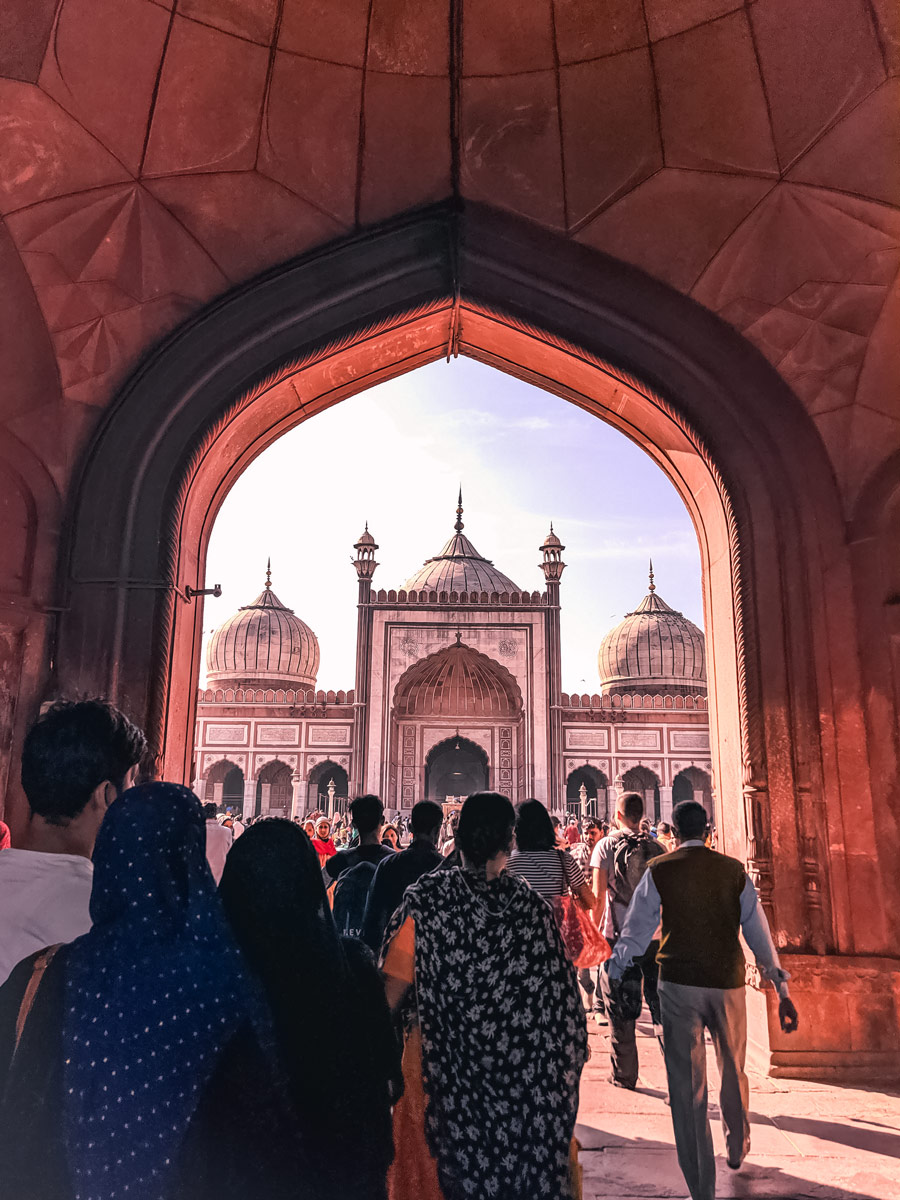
164	1037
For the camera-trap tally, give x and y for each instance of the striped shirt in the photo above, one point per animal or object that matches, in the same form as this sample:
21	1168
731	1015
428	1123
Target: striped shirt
550	872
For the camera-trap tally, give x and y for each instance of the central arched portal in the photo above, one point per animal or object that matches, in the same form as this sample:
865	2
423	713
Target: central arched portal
454	769
458	721
709	409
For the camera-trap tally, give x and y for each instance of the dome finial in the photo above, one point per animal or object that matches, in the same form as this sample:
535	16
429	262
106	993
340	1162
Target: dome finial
269	575
459	512
652	584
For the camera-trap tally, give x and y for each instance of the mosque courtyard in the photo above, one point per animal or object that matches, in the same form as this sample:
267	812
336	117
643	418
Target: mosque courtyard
809	1139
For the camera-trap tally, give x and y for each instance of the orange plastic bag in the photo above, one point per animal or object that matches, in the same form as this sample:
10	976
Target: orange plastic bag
585	944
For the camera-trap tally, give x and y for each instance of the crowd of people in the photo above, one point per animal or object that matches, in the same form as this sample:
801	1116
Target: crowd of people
386	1011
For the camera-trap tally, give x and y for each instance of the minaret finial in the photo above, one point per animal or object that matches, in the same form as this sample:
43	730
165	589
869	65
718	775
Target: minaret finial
269	575
459	512
652	584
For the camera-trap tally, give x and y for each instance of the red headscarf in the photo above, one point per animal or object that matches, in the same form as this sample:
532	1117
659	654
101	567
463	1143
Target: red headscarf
324	847
5	838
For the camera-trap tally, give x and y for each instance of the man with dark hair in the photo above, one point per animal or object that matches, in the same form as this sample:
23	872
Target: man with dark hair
618	863
394	875
367	814
219	840
704	900
77	758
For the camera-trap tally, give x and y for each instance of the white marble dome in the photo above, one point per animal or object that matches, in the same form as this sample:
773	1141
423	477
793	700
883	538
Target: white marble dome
459	568
654	650
263	645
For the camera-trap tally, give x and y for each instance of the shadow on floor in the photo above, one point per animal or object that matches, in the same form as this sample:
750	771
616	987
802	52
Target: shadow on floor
644	1169
860	1137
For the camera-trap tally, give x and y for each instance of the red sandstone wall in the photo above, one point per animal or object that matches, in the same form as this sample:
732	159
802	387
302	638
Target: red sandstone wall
150	158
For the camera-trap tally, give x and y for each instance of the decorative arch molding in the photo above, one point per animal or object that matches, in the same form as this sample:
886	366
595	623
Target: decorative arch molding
322	767
272	767
596	776
221	766
696	396
491	673
480	736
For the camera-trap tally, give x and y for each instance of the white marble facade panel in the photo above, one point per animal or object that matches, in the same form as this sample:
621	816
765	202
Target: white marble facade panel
328	735
689	739
227	734
580	737
639	739
281	733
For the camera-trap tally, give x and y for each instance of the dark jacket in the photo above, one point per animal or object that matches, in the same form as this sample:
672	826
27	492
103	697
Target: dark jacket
241	1141
393	876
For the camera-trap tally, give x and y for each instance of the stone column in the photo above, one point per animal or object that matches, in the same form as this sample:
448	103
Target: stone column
296	794
249	798
665	804
617	790
265	798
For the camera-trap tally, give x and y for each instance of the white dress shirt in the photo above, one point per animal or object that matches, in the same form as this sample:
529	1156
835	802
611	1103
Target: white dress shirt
44	899
642	921
219	839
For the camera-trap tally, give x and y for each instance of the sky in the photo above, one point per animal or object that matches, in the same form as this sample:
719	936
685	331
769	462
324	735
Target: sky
396	456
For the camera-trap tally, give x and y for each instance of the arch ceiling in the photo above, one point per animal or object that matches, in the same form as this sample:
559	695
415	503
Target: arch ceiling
156	154
457	682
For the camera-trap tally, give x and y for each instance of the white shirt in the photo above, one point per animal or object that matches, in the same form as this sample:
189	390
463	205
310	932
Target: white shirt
218	842
642	921
44	899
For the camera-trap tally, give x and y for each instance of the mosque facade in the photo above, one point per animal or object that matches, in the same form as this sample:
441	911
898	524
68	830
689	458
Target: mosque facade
457	689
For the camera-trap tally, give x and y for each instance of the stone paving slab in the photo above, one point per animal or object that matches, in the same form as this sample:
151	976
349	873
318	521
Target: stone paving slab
809	1141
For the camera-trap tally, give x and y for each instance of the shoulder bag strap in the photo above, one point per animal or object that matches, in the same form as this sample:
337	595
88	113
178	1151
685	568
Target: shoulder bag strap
566	887
41	963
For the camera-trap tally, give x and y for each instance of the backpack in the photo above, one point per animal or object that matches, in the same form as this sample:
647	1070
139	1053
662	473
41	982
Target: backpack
631	857
350	895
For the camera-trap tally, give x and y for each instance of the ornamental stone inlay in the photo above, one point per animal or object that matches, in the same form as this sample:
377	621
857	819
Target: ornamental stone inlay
226	735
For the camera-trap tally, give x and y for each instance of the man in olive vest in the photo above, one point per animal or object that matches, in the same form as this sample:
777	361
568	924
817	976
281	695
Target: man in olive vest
704	900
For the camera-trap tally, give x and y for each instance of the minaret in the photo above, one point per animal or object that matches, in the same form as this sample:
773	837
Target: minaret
365	568
553	567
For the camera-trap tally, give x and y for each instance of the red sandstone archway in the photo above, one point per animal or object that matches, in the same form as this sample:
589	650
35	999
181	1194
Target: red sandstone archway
738	446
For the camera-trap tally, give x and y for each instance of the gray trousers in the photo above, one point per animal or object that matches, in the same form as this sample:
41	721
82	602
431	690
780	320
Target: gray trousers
623	999
686	1011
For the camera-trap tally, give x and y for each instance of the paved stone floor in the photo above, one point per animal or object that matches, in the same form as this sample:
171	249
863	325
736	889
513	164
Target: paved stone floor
808	1139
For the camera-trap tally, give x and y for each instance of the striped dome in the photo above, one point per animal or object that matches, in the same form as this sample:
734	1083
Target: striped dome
459	568
263	645
655	650
457	682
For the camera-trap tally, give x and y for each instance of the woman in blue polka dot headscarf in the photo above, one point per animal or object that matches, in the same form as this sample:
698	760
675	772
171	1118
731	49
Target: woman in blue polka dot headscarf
163	1035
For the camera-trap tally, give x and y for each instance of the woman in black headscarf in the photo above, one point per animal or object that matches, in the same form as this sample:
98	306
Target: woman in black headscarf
342	1079
495	1032
127	1061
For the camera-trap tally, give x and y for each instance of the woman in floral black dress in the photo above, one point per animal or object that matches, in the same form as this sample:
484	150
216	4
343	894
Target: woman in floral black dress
495	1032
